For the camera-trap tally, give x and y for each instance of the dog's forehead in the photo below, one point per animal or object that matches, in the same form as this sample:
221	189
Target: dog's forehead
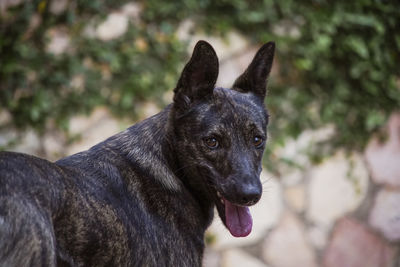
239	107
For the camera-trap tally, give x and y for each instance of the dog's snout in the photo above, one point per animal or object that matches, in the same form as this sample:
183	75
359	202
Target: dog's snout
250	194
245	190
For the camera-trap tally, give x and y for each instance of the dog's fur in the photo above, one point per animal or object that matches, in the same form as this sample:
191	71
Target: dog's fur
145	196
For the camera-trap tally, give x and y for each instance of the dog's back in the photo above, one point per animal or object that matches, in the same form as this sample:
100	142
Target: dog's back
145	196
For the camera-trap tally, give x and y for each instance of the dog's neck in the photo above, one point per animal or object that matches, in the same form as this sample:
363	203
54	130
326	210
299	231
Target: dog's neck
149	145
144	144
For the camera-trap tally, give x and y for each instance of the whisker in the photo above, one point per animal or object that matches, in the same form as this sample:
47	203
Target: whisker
266	181
266	190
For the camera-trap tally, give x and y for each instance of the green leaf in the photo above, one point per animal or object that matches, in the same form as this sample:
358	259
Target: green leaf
357	45
375	119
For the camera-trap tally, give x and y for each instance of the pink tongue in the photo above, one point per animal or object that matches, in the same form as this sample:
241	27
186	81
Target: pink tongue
238	219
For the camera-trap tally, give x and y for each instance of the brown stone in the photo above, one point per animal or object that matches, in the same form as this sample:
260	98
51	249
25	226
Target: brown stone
355	245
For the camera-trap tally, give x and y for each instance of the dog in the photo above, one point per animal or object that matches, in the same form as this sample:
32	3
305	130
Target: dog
145	196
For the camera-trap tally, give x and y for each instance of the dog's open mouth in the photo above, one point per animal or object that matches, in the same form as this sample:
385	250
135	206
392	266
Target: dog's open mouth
237	218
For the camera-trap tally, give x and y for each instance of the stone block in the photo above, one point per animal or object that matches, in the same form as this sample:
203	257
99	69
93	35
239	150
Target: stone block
287	245
354	245
93	129
211	258
384	158
385	214
336	189
113	27
296	197
237	257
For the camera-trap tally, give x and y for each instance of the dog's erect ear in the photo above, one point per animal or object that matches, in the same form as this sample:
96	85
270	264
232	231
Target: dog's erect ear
254	79
198	77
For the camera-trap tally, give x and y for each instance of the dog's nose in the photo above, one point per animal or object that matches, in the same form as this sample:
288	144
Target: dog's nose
250	194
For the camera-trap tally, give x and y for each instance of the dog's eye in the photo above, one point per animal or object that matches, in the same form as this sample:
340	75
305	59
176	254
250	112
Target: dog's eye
258	141
211	142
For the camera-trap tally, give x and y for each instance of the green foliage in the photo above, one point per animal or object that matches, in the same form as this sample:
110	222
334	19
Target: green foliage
38	86
337	61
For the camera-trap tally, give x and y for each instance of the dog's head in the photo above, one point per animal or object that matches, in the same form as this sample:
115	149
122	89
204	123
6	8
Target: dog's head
221	133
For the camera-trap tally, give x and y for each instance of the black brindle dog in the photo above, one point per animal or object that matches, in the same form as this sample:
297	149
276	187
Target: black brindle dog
145	196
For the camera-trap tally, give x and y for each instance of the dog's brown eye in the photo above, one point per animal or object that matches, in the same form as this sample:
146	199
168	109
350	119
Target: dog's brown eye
258	141
211	142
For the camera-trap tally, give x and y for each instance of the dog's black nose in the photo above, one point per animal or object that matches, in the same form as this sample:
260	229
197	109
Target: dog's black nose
250	194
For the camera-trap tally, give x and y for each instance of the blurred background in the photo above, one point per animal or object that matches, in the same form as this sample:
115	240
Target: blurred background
74	72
